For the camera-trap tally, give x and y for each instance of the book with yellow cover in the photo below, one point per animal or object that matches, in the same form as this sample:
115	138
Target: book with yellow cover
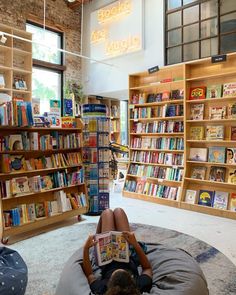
196	132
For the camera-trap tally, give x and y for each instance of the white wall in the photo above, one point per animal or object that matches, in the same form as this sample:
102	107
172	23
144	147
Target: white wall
99	79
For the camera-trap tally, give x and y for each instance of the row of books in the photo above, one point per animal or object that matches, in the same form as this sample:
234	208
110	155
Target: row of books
157	157
95	187
26	213
91	110
96	124
215	199
174	174
164	143
95	171
94	139
158	127
23	185
213	91
16	113
94	155
211	132
18	163
98	203
213	154
115	126
214	112
35	141
216	174
151	189
140	98
159	111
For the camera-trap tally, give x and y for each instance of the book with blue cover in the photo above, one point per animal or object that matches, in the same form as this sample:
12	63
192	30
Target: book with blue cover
216	154
206	198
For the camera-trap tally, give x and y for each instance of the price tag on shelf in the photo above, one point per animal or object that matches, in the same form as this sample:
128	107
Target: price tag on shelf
131	106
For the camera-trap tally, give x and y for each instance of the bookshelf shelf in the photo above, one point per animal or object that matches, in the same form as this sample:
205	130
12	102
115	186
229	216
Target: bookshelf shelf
26	195
159	180
195	74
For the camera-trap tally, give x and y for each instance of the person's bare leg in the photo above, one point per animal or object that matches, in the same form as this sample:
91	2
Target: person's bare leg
121	220
106	222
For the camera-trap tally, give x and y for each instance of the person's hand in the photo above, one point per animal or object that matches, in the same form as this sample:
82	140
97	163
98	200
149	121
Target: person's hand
130	237
90	242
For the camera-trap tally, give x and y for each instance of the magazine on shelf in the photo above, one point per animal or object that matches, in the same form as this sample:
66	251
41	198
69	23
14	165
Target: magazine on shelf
111	246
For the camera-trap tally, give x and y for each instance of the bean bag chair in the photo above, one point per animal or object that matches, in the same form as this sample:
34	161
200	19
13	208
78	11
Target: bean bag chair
13	273
175	272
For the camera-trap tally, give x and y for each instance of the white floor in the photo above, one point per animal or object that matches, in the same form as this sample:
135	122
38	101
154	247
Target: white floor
216	231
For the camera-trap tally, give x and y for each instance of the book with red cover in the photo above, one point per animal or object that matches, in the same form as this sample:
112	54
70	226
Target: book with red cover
197	92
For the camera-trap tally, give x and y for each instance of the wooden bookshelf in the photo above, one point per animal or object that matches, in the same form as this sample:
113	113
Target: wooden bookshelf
16	61
194	74
144	112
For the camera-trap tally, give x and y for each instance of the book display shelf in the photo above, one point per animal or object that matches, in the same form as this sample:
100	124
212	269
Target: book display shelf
156	122
96	156
41	170
198	158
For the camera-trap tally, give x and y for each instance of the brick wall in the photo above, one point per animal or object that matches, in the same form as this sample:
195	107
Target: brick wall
16	12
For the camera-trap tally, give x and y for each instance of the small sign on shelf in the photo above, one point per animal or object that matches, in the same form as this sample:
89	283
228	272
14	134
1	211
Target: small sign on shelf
218	58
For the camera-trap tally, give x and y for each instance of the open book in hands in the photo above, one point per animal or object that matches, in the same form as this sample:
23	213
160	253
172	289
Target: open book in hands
111	246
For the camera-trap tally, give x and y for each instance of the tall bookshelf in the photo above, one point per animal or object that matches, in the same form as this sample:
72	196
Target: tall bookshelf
156	136
55	161
208	74
195	74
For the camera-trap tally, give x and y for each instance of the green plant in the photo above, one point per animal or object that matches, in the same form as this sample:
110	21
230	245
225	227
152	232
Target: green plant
74	89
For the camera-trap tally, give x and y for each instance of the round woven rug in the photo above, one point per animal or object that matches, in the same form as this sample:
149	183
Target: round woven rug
46	254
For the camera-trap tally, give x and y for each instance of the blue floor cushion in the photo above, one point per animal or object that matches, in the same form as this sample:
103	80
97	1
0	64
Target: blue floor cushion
13	273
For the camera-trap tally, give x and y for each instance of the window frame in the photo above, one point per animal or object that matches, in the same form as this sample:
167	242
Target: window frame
52	67
181	8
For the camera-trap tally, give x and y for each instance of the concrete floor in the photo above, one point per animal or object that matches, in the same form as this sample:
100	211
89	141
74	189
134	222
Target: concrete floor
216	231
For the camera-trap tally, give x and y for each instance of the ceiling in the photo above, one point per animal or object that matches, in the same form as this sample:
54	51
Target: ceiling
77	3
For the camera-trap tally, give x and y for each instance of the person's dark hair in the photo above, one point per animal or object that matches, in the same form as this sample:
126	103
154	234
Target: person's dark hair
121	283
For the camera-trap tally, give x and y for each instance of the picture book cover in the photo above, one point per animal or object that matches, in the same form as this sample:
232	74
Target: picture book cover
190	196
165	95
40	210
197	111
206	198
177	94
232	176
230	156
15	142
232	110
20	185
198	173
196	132
229	89
221	200
233	202
17	163
68	122
217	113
214	91
233	132
198	154
216	154
68	105
197	92
140	186
111	246
36	106
215	132
217	174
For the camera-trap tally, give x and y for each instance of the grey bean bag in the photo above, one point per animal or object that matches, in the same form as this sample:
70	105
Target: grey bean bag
13	273
175	272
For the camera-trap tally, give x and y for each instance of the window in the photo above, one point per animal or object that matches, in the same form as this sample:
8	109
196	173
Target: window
199	28
47	65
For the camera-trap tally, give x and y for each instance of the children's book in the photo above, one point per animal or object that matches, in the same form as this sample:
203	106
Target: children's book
216	154
232	110
198	172
206	198
233	132
40	210
17	163
15	142
140	186
177	94
217	113
196	132
197	111
220	200
229	89
232	176
217	174
214	91
190	196
111	246
197	92
20	185
198	154
215	132
233	202
230	156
